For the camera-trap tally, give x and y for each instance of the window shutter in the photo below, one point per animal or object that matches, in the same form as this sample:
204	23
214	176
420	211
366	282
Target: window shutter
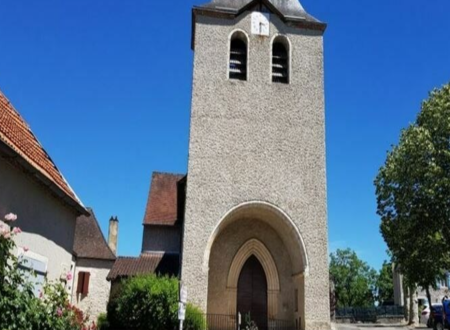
238	59
280	63
86	283
80	282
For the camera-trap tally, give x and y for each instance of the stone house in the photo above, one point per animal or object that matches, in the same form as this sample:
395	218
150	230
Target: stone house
161	242
94	260
442	290
59	235
247	226
402	298
32	187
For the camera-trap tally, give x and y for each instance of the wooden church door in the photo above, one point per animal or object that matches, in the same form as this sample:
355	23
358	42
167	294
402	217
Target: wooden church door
252	293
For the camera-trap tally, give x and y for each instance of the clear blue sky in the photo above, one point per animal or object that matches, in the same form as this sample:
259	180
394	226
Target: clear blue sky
105	86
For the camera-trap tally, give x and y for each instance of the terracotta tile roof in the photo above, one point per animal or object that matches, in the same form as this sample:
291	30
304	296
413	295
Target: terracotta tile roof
17	135
147	263
89	240
165	200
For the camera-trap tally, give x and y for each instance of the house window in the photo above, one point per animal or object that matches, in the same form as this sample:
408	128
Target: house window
31	263
238	57
441	283
296	300
280	60
83	283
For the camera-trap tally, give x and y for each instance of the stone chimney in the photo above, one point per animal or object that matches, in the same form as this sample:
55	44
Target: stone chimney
113	234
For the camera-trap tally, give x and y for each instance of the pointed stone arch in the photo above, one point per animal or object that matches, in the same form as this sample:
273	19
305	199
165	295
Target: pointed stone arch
259	250
275	217
254	247
289	233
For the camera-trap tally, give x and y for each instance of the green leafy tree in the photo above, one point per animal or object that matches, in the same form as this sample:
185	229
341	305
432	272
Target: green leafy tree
354	280
413	194
385	284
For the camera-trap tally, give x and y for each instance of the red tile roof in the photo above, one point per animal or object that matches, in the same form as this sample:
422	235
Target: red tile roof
89	241
147	263
163	203
17	135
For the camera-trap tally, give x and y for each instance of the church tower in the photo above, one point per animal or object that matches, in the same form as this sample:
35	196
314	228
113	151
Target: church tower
255	230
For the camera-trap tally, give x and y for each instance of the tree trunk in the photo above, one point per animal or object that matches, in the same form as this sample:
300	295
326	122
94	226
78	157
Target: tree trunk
427	289
412	314
405	301
410	308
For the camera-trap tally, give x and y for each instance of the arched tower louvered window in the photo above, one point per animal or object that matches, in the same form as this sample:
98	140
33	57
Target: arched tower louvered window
238	57
280	61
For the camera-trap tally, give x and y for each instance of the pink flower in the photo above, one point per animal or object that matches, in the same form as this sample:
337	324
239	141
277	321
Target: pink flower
4	231
25	249
41	295
59	312
69	276
10	217
17	230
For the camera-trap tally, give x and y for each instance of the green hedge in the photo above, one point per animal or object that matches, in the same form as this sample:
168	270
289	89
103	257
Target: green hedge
102	322
150	303
195	320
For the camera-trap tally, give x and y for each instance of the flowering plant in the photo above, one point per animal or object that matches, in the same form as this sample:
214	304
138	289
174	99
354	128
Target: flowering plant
249	323
20	308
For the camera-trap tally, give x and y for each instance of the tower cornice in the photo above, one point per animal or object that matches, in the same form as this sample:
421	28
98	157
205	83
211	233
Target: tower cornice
290	12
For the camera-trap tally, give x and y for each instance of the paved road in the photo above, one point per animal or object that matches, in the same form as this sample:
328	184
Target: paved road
367	326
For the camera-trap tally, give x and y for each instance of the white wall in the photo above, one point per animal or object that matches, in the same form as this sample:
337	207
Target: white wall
48	225
94	303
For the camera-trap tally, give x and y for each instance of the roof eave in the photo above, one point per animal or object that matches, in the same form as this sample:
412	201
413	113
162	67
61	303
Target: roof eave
230	13
157	224
95	258
11	154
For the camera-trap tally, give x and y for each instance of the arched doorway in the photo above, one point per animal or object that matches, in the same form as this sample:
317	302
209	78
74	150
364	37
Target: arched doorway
252	293
265	232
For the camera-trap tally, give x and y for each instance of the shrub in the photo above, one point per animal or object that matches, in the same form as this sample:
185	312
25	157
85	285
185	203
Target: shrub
102	322
151	303
146	302
195	320
111	315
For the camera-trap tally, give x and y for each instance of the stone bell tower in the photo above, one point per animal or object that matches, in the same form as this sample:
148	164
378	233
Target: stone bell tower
256	187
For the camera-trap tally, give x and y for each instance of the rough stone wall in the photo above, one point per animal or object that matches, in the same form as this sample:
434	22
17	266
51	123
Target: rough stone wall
257	140
161	238
48	225
94	303
436	295
113	235
399	294
222	254
397	279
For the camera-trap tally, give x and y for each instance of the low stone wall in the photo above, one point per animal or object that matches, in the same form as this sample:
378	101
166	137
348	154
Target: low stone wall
379	320
380	315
